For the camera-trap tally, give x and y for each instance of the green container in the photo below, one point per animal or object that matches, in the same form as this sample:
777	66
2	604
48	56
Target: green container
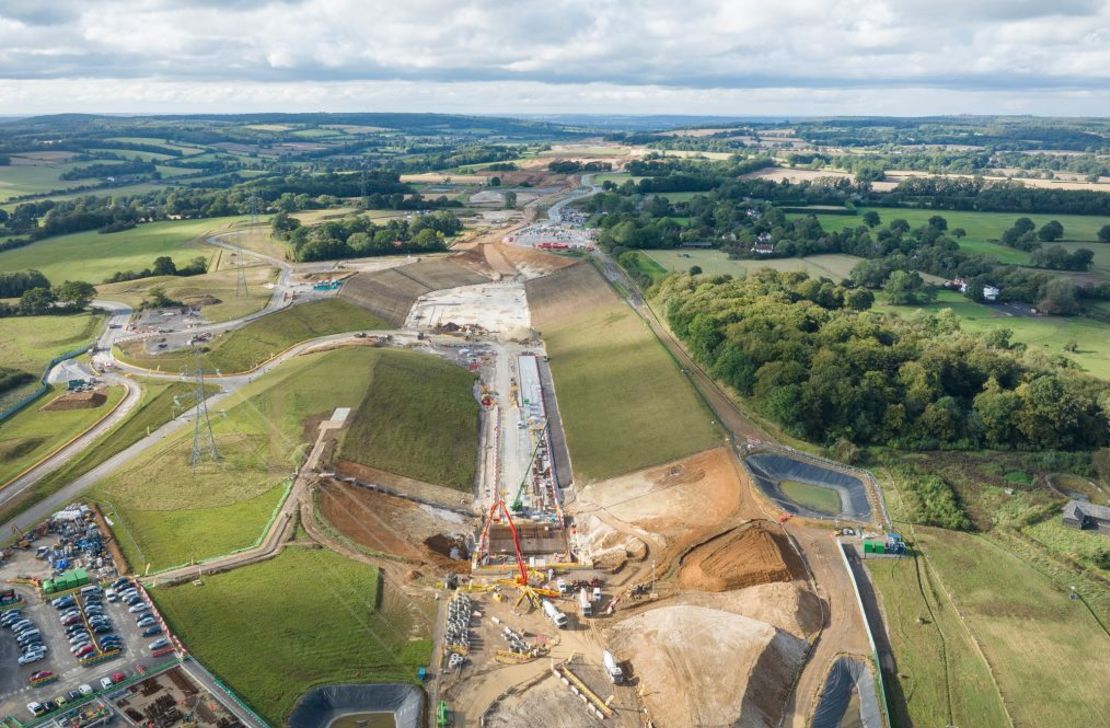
874	547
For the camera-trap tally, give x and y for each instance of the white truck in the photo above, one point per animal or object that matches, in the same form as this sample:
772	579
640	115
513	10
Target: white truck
557	618
584	603
616	674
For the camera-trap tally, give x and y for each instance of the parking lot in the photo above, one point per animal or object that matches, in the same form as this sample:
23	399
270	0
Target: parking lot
114	642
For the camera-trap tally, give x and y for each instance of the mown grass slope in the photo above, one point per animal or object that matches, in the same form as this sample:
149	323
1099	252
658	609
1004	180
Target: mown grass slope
624	403
419	419
307	617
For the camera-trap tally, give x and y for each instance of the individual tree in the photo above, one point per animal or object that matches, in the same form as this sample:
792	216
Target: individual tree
1051	231
859	299
958	233
510	200
75	294
695	270
1061	297
1104	234
36	301
899	226
163	266
938	222
871	219
495	181
905	288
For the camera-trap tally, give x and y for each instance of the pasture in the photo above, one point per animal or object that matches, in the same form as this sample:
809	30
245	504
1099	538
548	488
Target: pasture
983	229
166	515
715	262
419	419
17	180
34	433
1048	334
1032	634
245	348
93	257
623	401
307	617
940	679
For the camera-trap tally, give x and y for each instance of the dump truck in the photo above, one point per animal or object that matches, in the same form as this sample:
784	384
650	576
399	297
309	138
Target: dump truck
616	674
557	618
584	603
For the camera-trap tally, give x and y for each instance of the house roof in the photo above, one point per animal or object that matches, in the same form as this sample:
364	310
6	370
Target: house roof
1077	509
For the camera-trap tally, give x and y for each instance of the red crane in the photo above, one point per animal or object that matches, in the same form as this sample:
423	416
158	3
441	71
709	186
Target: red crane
483	541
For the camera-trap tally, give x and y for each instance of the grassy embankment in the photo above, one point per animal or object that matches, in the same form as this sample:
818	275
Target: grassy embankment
213	293
93	257
34	433
624	403
419	419
28	343
247	347
307	617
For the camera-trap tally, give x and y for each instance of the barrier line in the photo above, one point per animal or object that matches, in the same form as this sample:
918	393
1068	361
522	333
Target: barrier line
870	636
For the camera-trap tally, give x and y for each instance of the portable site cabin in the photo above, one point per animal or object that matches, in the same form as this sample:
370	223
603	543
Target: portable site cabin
874	547
65	581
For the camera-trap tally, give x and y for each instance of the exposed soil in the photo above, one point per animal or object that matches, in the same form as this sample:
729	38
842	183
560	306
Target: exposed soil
571	290
395	526
76	400
744	556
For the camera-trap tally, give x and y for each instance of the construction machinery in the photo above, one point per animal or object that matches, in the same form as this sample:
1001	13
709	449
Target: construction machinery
496	510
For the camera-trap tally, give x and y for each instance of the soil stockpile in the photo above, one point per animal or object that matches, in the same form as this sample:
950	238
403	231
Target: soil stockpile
707	667
77	400
745	556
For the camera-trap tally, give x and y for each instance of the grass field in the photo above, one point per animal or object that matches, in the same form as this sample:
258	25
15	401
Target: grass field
168	516
30	342
623	402
1083	547
92	257
418	419
32	179
1033	635
197	290
716	262
825	500
1049	334
307	617
648	266
34	433
941	680
983	229
249	346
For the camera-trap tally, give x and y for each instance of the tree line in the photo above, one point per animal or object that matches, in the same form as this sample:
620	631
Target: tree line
358	236
802	354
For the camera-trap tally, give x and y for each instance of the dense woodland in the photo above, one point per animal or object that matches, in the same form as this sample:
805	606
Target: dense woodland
357	237
803	355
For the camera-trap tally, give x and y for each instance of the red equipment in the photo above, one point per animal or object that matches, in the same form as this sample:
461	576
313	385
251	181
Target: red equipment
483	541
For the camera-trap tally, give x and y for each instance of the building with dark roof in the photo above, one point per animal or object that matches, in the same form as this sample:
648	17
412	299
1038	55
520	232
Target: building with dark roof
1084	515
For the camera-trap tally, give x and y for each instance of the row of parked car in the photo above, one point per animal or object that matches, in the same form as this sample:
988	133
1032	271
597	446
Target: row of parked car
47	706
32	646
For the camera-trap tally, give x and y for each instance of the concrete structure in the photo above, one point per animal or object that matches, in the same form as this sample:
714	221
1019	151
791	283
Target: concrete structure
1083	515
991	293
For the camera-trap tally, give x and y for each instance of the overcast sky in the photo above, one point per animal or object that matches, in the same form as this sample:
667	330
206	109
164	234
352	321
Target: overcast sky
811	57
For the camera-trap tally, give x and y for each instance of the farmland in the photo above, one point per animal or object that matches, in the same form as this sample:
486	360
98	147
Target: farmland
983	229
32	179
305	618
30	342
623	402
247	347
167	515
940	680
34	433
91	256
1049	334
1017	615
418	419
715	262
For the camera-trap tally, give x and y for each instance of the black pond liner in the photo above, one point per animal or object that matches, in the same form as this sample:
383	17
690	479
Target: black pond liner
769	469
322	705
847	674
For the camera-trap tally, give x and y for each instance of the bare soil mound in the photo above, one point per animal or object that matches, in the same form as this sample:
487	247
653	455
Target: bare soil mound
534	263
708	667
76	400
790	606
744	556
390	293
570	291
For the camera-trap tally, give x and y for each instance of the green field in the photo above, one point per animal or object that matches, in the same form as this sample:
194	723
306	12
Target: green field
200	290
167	516
1034	637
618	178
155	409
1083	547
92	257
715	262
647	266
815	497
32	179
30	342
1049	334
33	433
983	229
251	345
623	401
418	419
305	618
940	680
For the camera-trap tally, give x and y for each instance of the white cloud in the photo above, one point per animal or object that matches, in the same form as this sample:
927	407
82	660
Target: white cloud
691	50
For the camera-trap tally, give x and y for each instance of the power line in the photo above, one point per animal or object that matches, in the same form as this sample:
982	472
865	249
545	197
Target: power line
204	441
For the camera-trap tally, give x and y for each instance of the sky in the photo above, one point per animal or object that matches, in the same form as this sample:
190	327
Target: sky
704	57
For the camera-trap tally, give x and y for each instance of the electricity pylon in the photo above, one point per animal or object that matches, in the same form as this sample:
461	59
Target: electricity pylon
204	441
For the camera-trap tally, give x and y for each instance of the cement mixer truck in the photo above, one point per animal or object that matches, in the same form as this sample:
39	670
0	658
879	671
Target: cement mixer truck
557	618
616	674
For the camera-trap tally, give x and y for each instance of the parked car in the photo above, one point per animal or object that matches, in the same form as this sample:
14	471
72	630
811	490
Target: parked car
29	657
105	683
139	608
152	630
41	675
85	689
85	651
36	709
159	644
